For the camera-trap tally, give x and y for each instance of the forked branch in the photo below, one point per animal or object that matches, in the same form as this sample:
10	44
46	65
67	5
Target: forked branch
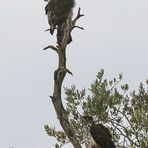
59	76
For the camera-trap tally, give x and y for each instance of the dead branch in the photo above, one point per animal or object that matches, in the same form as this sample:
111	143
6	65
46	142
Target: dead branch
59	76
47	30
78	16
51	47
78	27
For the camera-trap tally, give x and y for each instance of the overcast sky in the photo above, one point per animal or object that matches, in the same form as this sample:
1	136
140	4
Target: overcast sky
115	38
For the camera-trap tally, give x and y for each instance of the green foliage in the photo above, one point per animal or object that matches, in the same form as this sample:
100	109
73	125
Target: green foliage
59	135
124	113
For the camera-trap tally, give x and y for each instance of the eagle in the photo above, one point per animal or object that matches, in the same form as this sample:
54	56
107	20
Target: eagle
96	135
57	12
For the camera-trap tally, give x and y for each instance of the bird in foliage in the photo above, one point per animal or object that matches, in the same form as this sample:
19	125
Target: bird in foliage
96	135
57	12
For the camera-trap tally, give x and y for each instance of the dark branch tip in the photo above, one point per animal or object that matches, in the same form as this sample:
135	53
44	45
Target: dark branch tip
50	46
68	71
78	27
47	30
51	97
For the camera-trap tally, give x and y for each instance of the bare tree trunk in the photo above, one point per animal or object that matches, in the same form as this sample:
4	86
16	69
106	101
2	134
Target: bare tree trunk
59	76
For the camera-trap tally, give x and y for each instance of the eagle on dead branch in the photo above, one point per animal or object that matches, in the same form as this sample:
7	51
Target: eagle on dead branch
96	135
58	12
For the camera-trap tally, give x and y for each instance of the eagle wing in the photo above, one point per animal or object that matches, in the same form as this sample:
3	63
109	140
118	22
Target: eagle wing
101	136
49	11
57	12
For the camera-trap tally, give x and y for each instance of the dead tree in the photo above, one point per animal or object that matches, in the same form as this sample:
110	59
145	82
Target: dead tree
59	76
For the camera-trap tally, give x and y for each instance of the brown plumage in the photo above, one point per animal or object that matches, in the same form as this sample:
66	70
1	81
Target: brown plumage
96	135
57	12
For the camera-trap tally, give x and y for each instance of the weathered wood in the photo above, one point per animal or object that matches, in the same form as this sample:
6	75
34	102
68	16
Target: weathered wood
59	76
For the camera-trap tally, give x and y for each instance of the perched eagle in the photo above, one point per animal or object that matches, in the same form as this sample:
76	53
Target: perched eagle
96	136
58	12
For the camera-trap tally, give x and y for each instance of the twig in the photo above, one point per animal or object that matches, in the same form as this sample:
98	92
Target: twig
115	124
51	47
78	16
78	27
47	29
68	71
50	29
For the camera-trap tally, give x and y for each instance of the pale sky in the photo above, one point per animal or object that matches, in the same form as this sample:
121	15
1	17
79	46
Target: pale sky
115	39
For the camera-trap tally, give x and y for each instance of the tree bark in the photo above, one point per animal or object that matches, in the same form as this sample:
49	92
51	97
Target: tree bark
59	76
